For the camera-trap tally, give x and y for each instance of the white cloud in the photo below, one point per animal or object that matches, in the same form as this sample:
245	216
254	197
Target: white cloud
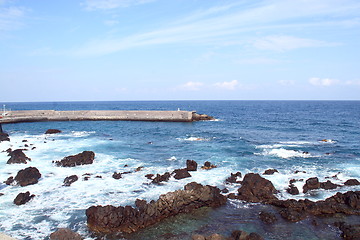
286	82
227	85
324	82
353	83
10	17
192	86
92	5
284	43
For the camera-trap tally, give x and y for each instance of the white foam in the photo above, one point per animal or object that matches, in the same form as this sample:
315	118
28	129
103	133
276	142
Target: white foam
284	153
193	139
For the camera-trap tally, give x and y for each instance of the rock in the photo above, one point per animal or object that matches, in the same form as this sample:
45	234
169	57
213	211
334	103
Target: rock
233	178
24	140
328	185
215	236
293	190
208	166
254	236
27	176
1	194
70	180
239	235
197	237
23	198
311	184
9	181
349	232
352	182
65	234
110	219
270	172
4	137
267	217
149	176
161	178
9	150
17	156
86	157
52	131
256	189
138	169
181	173
116	175
297	171
191	165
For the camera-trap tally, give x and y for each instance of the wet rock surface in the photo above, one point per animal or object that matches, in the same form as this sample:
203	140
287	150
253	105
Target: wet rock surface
311	184
352	182
267	217
110	219
52	131
181	173
23	198
86	157
4	137
191	165
233	178
270	172
70	180
17	156
27	176
349	231
65	234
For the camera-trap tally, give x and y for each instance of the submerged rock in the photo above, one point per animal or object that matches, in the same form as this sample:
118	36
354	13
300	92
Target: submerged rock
70	180
23	198
161	178
27	176
270	172
233	178
110	219
328	185
65	234
52	131
349	232
116	175
17	156
267	217
86	157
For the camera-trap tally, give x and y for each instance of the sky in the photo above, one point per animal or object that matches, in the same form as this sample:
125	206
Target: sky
115	50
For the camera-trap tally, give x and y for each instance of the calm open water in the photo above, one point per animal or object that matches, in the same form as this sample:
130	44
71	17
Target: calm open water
249	136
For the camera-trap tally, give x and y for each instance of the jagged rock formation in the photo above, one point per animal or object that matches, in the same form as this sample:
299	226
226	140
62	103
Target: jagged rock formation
17	156
23	198
86	157
110	219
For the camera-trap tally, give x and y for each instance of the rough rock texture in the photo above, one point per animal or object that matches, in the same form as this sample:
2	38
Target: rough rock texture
27	176
296	210
52	131
352	182
242	235
23	198
116	175
233	178
293	190
267	217
65	234
191	165
110	219
349	232
181	173
86	157
161	178
328	185
4	137
9	181
310	184
17	156
270	172
70	180
256	189
208	166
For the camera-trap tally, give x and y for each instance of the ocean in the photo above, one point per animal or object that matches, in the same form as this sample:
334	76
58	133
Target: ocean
319	138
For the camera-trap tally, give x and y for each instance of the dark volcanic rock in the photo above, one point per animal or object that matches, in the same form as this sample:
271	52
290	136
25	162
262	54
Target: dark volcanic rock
352	182
17	156
4	137
191	165
149	176
70	180
181	173
293	190
254	236
161	178
270	172
208	166
28	176
233	178
310	184
349	232
52	131
23	198
86	157
116	175
110	219
256	189
9	181
65	234
328	185
267	217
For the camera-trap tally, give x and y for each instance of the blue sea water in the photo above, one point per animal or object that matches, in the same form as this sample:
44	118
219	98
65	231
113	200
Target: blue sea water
320	138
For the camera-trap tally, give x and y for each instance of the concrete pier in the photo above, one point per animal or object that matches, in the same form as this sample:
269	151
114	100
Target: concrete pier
101	115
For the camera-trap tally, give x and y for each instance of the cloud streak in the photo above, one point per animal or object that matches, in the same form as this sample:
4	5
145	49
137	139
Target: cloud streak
93	5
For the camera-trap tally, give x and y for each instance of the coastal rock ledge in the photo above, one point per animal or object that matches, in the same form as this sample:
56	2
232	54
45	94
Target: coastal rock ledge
109	219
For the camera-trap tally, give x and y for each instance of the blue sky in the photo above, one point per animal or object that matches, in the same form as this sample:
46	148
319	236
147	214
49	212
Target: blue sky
85	50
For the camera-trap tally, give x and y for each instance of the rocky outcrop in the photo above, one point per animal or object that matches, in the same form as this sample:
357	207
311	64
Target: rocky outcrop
70	180
256	189
201	117
208	166
328	185
23	198
65	234
161	178
116	175
352	182
17	156
52	131
234	178
27	176
110	219
349	232
270	172
293	190
4	137
191	165
311	184
181	173
86	157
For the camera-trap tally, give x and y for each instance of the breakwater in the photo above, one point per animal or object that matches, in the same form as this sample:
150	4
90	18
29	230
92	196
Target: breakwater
102	115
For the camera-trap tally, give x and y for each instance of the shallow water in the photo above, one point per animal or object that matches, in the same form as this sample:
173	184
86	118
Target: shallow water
249	136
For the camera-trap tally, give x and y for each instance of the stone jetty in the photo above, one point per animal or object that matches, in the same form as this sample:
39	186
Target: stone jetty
102	115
